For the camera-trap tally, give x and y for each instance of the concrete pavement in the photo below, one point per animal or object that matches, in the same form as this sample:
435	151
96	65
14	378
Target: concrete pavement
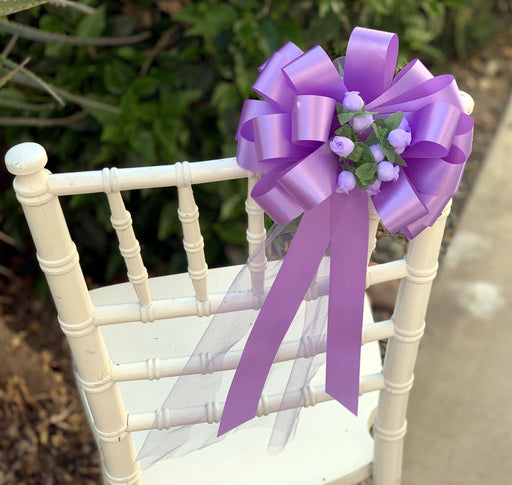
460	409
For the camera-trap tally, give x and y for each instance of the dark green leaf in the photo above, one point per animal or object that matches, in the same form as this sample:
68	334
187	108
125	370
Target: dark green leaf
93	25
225	95
168	223
218	18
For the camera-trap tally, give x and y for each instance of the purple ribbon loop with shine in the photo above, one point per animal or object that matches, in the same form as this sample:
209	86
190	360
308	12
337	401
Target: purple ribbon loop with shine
286	137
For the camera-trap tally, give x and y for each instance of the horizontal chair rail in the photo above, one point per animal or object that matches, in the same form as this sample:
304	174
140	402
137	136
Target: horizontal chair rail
114	179
206	363
189	306
212	412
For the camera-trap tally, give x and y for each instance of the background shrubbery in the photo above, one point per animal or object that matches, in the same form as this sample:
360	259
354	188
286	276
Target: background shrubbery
176	94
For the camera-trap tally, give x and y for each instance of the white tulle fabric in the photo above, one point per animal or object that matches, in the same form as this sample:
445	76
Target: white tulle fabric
228	330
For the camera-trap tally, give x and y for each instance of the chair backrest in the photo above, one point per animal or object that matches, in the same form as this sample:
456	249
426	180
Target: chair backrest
38	192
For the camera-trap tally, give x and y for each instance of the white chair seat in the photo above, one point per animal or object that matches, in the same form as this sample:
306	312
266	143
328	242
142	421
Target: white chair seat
329	443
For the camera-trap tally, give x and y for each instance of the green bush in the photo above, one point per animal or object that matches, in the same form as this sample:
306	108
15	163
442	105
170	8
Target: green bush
177	95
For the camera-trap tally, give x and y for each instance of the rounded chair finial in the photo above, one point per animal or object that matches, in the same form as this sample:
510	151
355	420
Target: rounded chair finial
469	102
26	158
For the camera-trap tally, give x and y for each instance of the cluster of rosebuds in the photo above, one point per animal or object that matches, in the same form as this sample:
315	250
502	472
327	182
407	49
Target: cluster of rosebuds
369	148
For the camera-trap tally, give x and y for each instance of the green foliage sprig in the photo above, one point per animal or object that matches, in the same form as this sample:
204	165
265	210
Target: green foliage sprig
361	161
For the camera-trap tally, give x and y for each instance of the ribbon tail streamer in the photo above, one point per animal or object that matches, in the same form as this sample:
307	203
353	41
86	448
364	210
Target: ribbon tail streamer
347	281
291	284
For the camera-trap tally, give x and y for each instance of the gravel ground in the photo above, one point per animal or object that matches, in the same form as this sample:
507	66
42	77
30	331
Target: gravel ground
45	437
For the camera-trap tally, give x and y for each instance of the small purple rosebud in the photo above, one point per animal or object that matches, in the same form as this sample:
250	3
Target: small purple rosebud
386	171
399	140
404	125
352	101
342	146
361	122
374	188
377	152
346	182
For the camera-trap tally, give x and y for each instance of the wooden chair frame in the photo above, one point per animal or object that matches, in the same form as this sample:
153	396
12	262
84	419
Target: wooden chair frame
38	191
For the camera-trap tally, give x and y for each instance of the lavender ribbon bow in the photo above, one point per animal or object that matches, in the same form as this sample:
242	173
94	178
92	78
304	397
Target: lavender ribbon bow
286	138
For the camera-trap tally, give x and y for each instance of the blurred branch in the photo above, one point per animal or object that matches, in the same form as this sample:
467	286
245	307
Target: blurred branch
7	239
38	35
15	104
30	75
8	7
6	77
10	45
164	41
62	93
77	6
42	122
86	102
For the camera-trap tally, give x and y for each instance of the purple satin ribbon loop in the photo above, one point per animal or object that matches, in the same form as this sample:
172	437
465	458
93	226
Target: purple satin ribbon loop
273	138
434	127
314	73
272	85
275	200
399	205
286	193
312	119
370	62
287	138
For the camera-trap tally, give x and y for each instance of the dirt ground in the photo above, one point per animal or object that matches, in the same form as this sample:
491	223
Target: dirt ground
44	437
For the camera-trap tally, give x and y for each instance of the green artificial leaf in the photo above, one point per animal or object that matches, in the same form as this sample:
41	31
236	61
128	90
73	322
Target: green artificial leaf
380	123
393	121
345	117
376	130
388	151
400	161
367	155
366	173
347	165
372	139
347	130
357	152
339	108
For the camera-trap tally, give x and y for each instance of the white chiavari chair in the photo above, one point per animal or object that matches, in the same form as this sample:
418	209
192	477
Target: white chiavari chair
128	341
